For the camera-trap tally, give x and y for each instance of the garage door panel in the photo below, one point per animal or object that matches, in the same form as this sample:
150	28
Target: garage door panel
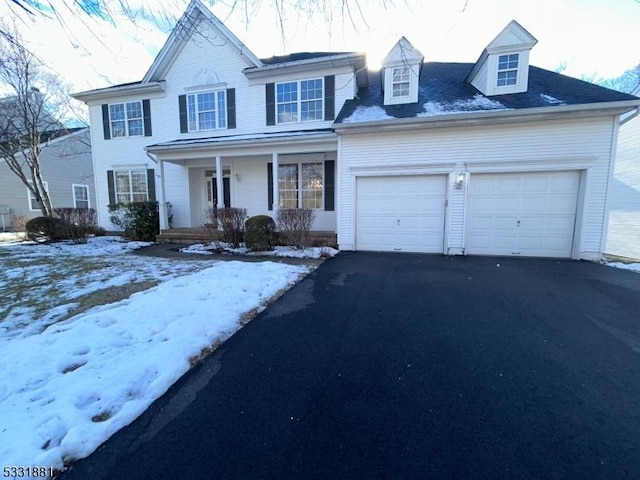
542	213
400	213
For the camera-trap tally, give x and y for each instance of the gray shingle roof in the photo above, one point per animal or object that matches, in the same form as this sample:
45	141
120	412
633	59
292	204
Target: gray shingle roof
443	90
295	57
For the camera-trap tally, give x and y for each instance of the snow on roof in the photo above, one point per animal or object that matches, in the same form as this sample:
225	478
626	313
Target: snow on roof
367	114
551	100
478	102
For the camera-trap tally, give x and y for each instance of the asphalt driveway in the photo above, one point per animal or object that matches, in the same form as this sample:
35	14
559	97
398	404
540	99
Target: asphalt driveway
407	366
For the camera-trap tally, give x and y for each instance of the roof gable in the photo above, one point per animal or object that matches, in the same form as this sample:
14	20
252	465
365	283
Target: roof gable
182	33
512	37
402	53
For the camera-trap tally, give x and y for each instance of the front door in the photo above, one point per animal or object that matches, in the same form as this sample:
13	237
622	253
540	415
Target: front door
212	192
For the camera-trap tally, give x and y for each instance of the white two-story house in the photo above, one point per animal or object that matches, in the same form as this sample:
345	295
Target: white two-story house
496	157
212	124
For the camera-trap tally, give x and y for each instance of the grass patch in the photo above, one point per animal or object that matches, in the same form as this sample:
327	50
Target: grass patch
108	295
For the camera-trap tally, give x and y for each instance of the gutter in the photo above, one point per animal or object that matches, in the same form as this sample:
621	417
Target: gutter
231	144
110	92
489	117
346	59
629	117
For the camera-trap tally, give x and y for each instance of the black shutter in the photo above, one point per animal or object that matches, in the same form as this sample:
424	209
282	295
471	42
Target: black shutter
105	122
146	115
270	185
231	108
271	103
182	107
329	97
111	187
151	183
329	185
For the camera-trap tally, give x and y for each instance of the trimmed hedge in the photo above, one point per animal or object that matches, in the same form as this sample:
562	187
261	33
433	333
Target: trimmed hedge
260	233
48	228
137	220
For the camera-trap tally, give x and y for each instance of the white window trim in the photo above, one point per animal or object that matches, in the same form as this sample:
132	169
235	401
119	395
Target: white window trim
299	182
215	96
31	197
126	120
299	101
129	171
408	81
73	190
508	69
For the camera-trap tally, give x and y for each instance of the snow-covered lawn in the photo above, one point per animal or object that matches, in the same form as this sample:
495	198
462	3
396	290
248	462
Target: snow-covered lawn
74	370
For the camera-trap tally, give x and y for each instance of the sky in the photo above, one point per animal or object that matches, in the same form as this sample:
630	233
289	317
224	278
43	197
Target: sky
583	38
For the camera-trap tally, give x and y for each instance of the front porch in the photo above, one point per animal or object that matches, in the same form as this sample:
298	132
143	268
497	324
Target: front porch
258	174
204	235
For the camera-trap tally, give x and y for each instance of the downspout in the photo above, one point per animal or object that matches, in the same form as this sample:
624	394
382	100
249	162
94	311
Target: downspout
161	203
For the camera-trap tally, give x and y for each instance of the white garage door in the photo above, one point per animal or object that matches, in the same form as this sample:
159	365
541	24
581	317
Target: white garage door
401	213
528	214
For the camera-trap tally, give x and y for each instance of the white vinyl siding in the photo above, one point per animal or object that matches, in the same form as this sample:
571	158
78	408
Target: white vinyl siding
623	239
578	145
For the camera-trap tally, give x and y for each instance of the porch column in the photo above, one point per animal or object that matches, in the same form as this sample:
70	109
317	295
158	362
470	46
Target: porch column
164	223
274	180
219	184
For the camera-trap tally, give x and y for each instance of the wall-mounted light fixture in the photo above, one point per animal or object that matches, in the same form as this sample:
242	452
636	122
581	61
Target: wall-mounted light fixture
237	177
460	178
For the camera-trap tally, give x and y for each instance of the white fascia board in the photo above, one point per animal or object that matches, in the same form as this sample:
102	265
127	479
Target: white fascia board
491	117
333	61
137	89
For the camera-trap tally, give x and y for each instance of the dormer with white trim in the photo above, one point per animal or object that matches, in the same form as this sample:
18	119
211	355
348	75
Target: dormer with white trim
401	70
503	67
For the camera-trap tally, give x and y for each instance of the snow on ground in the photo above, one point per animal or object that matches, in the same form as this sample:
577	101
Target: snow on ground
634	267
66	387
214	247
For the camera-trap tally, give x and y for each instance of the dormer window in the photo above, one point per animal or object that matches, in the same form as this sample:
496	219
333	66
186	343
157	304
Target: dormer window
401	81
508	69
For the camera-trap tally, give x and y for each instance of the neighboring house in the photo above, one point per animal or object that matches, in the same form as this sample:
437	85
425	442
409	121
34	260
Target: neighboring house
67	169
495	157
623	239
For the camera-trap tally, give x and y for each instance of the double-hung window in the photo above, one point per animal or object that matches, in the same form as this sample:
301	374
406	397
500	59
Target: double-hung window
207	110
508	69
125	119
80	196
300	185
33	203
300	101
401	78
131	186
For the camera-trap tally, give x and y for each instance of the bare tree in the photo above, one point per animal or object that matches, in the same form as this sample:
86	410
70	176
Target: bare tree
163	12
29	116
